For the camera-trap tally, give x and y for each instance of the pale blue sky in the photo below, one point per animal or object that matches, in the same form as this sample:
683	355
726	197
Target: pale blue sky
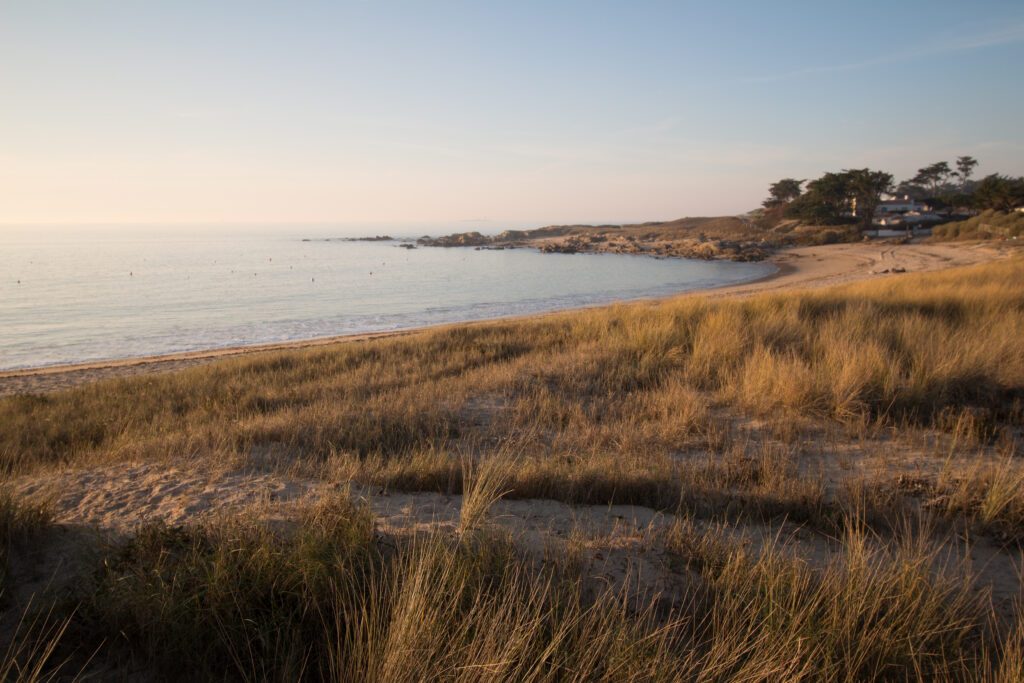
515	112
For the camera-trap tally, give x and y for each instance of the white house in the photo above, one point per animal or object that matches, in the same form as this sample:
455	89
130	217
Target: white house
901	205
918	217
888	220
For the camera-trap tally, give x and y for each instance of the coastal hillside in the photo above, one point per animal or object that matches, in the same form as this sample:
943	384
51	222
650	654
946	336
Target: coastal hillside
804	485
736	238
987	225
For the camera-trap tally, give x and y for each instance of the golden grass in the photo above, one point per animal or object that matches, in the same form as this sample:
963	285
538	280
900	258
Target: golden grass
327	601
874	611
921	350
992	493
31	654
989	224
324	602
484	484
712	410
600	406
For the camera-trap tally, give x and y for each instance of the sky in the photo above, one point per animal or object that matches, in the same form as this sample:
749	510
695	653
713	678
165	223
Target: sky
487	112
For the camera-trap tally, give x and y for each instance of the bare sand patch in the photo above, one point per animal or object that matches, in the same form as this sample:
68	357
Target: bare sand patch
837	264
620	542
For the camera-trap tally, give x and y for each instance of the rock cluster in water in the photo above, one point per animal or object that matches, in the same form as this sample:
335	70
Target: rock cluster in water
607	239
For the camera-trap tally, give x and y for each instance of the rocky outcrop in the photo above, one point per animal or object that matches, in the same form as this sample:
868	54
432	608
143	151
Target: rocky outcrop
463	239
608	239
560	247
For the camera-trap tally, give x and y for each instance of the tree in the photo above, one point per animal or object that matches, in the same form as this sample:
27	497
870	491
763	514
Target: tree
999	192
964	169
865	188
826	200
933	177
783	192
833	197
911	189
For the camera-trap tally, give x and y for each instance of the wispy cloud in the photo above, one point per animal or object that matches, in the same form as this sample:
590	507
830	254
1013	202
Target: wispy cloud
1004	36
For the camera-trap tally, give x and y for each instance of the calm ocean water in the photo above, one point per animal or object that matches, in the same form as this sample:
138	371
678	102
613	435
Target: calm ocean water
76	298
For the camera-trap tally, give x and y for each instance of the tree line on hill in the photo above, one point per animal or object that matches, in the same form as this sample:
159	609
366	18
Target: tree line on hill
852	195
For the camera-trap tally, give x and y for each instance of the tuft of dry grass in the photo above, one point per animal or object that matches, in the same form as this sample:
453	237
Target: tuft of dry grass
878	610
484	484
21	521
28	651
990	493
31	654
326	600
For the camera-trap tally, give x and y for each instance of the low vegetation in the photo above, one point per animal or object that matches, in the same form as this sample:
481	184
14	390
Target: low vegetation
326	600
21	522
985	226
736	419
938	350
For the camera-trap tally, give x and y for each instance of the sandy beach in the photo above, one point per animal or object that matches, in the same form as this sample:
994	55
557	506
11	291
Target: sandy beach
799	268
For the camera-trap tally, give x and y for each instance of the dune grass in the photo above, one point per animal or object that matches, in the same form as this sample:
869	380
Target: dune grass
21	522
914	350
598	406
707	410
987	225
29	652
327	600
31	655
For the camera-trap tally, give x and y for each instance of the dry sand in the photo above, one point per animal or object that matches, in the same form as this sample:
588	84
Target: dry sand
837	264
620	542
799	268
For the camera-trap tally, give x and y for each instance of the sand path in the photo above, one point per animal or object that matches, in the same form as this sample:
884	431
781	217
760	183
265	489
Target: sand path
799	268
618	541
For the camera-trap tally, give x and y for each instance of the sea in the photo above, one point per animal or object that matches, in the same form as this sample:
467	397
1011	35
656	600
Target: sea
81	295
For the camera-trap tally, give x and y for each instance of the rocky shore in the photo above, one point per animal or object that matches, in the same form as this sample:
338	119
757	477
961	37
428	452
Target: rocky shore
667	240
